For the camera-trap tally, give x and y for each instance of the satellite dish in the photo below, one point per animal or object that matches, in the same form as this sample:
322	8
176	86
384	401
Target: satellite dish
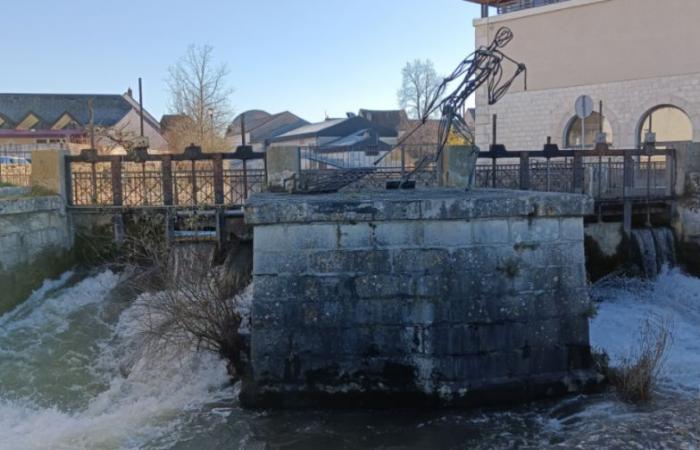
584	106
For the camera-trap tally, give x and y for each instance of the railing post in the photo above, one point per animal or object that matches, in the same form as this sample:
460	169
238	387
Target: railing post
245	181
218	179
193	173
578	173
68	186
524	171
167	181
627	184
116	178
93	183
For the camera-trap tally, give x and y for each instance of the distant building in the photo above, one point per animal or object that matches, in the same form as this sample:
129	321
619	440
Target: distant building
339	134
261	128
636	56
394	119
62	120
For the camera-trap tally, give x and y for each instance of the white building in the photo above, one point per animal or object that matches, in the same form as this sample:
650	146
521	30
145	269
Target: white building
639	57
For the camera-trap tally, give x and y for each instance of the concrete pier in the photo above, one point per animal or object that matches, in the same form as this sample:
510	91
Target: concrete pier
436	297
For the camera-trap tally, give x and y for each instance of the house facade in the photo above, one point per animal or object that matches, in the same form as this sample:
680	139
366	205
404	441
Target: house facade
634	56
63	121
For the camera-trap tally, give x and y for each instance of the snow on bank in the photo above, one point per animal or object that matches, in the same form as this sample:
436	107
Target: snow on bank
626	303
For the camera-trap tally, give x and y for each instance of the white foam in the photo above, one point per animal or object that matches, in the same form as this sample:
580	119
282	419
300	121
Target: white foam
626	304
156	398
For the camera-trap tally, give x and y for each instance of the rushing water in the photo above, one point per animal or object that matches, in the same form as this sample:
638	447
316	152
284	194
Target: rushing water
71	377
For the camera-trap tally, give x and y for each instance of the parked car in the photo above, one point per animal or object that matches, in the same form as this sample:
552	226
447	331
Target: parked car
14	160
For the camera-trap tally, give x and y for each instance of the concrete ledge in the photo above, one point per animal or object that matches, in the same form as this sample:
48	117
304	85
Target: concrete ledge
431	204
28	205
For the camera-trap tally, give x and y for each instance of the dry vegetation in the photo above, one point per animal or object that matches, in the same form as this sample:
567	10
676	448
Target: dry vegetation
189	300
637	374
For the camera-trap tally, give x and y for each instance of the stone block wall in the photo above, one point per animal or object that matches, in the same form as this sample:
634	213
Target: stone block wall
434	297
526	119
35	239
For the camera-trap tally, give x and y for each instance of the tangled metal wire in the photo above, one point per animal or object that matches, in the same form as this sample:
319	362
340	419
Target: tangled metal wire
484	66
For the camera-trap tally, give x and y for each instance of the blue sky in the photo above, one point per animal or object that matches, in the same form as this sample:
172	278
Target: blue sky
309	56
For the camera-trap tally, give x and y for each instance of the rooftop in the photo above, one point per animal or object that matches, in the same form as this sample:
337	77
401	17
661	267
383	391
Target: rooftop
506	6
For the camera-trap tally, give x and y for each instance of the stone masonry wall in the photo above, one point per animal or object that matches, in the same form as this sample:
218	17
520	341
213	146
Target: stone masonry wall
34	239
526	119
436	297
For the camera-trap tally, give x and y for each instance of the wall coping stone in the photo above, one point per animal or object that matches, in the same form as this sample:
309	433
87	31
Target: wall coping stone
424	204
26	205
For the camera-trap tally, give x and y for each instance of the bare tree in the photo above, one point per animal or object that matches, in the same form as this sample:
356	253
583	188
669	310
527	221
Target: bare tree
420	83
198	91
194	295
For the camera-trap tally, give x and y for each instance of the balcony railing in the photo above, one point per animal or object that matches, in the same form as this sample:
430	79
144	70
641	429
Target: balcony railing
517	5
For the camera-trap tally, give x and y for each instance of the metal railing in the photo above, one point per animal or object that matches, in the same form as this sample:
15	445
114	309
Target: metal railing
517	5
15	166
190	179
603	173
367	167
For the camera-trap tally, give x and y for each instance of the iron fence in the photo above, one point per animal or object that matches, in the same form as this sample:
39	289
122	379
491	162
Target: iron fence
15	166
600	172
189	179
366	167
603	173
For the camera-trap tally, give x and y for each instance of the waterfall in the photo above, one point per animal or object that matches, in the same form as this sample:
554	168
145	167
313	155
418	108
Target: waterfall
655	248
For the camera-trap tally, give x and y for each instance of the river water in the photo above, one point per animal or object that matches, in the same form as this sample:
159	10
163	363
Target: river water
72	378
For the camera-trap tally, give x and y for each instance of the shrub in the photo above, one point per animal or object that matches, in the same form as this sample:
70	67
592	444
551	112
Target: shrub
636	376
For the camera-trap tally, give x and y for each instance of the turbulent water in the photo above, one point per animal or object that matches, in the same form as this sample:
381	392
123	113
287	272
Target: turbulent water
71	378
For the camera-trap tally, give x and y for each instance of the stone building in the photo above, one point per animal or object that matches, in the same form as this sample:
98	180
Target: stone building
636	56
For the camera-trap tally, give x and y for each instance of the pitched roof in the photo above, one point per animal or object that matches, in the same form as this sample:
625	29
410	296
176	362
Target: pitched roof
336	128
109	109
276	125
394	118
253	119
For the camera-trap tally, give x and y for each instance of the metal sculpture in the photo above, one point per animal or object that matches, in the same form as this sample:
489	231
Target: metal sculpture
483	67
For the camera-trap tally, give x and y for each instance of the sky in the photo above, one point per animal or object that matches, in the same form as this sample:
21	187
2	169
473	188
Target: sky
312	57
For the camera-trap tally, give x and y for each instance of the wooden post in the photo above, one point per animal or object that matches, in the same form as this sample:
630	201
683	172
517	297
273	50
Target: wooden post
628	183
525	171
221	230
169	226
578	173
218	179
68	180
118	226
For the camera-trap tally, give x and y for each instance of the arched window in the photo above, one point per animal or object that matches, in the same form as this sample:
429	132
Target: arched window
671	124
592	125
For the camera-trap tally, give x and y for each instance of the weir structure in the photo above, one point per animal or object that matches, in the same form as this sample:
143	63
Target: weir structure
438	297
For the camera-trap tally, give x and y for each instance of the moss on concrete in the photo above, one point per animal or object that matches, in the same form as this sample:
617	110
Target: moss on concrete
17	284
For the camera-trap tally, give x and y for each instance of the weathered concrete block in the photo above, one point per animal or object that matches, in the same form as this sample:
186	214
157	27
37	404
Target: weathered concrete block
425	260
443	297
491	231
448	233
350	261
524	230
357	236
398	234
